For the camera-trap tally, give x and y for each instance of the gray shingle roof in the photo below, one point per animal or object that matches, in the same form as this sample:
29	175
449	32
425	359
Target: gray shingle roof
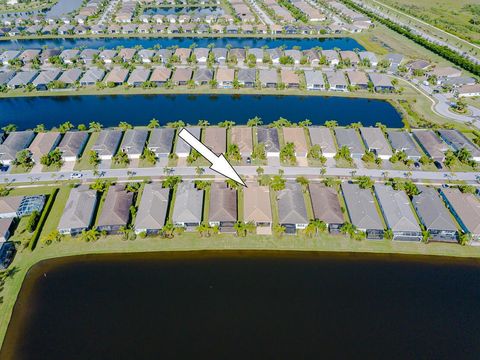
432	210
350	139
15	142
361	207
402	141
107	142
396	209
223	203
291	205
79	210
269	137
152	212
116	209
188	206
73	143
161	140
134	141
325	203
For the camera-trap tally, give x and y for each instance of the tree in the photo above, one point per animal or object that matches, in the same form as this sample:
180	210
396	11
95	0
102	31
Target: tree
93	158
355	125
203	123
100	185
176	124
258	152
233	153
202	185
127	232
124	126
388	234
24	159
315	153
66	126
344	153
168	230
302	180
226	124
54	236
132	187
368	157
287	153
40	128
121	158
149	156
281	122
9	128
243	229
279	230
331	124
305	123
260	171
365	182
53	158
278	183
171	181
90	235
95	126
256	121
154	123
199	171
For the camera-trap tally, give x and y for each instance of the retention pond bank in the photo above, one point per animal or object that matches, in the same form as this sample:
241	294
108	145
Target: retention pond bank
27	112
240	305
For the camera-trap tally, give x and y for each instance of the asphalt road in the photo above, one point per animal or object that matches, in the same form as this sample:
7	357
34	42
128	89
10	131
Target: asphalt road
289	172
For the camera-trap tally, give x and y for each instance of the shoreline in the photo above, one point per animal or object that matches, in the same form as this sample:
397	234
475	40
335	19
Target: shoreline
190	242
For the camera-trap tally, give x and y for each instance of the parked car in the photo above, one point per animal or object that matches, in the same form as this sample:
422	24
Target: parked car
417	165
76	175
438	165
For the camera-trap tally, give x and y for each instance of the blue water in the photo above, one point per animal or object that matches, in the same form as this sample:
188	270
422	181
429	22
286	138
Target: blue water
110	43
139	109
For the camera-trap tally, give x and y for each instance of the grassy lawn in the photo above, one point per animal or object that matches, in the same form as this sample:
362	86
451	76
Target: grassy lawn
51	168
57	210
342	163
14	169
82	163
240	204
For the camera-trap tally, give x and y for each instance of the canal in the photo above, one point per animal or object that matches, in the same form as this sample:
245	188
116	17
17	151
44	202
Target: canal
27	112
164	42
247	306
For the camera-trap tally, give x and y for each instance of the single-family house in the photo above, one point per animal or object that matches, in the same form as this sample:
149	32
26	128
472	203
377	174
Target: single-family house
188	207
215	138
182	149
290	78
223	207
161	141
247	77
243	138
336	81
457	141
269	137
72	144
296	135
257	208
292	211
43	144
431	143
182	76
362	210
322	136
326	206
403	141
153	209
268	78
116	209
138	77
107	143
314	80
398	213
434	215
375	141
134	142
160	75
349	138
79	211
225	77
16	141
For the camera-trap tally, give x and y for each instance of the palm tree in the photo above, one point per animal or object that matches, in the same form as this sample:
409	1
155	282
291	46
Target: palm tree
154	123
168	230
95	126
331	124
305	123
255	121
199	170
203	123
90	235
323	171
278	229
260	171
124	126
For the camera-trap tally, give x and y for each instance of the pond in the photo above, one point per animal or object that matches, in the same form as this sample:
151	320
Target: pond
247	306
27	112
192	11
164	42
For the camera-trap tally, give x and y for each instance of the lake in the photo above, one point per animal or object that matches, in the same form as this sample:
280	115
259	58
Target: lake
27	112
164	42
228	305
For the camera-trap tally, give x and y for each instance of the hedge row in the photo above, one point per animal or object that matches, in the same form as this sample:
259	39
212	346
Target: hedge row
43	218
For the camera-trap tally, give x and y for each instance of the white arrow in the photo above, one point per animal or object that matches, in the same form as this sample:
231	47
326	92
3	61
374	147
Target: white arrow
219	163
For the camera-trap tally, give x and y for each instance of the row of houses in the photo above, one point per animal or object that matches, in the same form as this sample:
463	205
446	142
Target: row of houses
163	142
444	213
222	77
201	55
172	26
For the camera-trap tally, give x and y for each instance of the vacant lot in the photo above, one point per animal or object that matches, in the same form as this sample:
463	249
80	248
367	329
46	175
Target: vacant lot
459	17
